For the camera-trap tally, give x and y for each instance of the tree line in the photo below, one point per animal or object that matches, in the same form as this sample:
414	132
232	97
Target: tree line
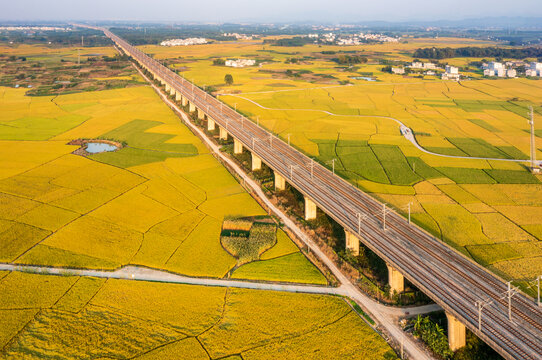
478	52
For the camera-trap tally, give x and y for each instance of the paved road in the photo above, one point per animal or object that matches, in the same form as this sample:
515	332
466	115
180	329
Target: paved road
449	278
405	130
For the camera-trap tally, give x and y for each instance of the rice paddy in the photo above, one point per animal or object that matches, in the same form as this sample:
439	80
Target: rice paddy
354	124
88	318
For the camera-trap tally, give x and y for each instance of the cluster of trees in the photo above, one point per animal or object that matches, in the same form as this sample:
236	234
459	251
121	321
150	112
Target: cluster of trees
294	41
433	335
219	62
480	52
350	59
228	79
65	38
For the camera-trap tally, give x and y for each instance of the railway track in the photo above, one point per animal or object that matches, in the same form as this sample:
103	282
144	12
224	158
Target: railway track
449	278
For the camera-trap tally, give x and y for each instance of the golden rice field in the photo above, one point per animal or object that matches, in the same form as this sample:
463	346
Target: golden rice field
474	205
85	318
158	202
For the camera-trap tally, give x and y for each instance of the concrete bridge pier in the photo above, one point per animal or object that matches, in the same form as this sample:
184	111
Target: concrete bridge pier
280	182
184	100
457	334
201	114
256	162
352	242
396	280
237	146
310	209
191	107
178	96
223	134
172	91
210	124
168	88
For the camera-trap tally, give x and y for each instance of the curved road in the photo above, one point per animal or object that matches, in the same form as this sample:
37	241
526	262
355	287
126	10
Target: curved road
405	130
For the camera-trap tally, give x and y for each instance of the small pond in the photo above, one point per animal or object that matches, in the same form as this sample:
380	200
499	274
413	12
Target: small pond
98	147
366	78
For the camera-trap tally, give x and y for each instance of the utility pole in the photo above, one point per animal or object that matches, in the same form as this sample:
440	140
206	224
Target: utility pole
235	106
333	166
270	140
82	41
534	168
538	283
288	139
258	120
409	212
291	172
512	290
509	301
312	169
481	305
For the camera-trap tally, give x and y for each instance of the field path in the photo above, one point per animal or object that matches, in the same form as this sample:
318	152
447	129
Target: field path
131	272
405	130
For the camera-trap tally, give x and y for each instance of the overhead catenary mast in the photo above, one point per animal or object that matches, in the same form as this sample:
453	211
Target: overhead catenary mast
534	167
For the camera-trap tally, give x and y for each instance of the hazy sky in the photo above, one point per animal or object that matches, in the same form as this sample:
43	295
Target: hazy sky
264	10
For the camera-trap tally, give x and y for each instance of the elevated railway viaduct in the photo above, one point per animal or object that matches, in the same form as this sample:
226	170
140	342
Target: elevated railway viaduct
470	295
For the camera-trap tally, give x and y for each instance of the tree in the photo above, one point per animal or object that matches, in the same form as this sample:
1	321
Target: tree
228	79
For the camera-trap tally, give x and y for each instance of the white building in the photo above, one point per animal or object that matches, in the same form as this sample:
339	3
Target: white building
452	69
398	71
430	66
499	70
495	66
535	69
452	73
239	63
417	65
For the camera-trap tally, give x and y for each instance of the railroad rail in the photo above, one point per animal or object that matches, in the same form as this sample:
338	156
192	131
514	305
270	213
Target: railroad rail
452	280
